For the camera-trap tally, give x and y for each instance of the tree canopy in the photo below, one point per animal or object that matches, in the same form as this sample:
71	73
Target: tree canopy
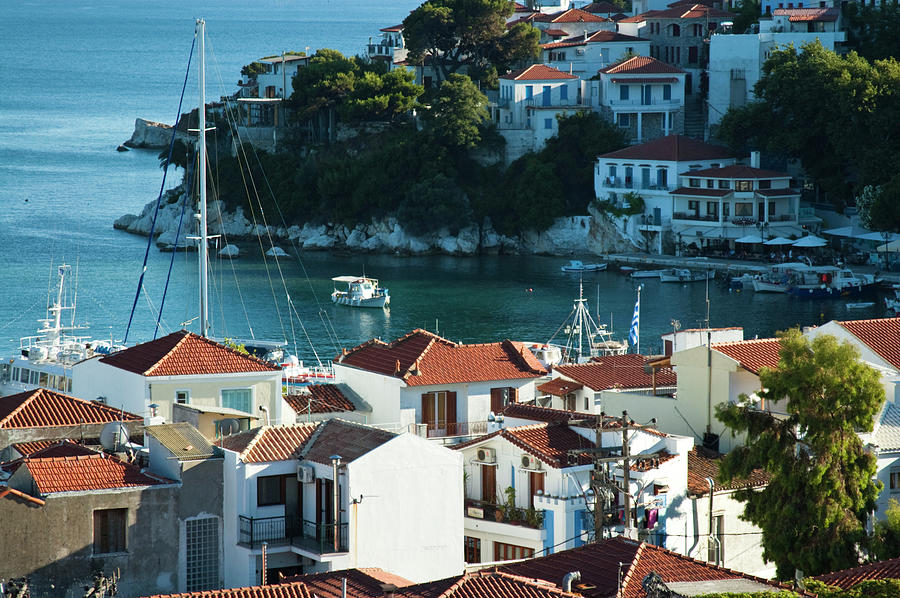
813	511
468	35
839	115
456	111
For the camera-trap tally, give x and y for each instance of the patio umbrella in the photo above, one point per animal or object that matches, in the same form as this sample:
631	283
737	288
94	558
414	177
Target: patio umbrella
853	231
779	241
749	239
810	241
881	237
891	247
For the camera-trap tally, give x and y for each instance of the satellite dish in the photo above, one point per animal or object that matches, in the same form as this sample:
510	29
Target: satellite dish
229	426
114	436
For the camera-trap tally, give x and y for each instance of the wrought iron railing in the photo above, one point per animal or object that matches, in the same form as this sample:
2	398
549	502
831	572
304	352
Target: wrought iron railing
309	535
479	509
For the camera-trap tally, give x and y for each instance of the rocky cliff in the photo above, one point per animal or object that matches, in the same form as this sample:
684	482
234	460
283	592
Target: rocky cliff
152	135
594	233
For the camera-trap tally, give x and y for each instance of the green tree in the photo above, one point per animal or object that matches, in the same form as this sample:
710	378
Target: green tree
181	154
434	203
746	15
872	30
886	536
451	35
386	96
457	111
822	487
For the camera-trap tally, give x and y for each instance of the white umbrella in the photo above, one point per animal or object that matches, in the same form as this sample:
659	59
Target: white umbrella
810	241
749	239
779	241
853	231
882	237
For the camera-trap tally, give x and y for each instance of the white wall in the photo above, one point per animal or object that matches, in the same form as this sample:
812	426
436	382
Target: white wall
589	58
122	389
381	392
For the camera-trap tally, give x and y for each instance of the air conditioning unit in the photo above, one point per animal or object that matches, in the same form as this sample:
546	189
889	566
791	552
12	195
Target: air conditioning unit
530	462
486	455
306	474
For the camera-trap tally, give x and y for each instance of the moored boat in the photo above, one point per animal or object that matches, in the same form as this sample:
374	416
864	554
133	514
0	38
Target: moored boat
646	273
685	275
579	266
361	292
584	337
830	282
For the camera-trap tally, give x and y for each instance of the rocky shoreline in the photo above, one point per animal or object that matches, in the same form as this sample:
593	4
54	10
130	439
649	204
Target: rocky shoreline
592	234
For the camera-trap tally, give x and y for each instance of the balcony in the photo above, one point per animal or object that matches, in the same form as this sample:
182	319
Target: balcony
383	50
638	104
609	182
694	217
529	518
318	538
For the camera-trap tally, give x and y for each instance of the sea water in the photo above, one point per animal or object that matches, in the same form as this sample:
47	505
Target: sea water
77	74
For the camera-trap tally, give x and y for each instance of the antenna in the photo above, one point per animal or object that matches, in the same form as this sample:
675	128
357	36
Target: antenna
707	298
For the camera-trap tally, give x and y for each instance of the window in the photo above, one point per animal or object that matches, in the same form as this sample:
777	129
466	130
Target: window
710	183
743	209
238	398
529	92
510	552
612	171
546	95
694	183
623	92
894	484
765	184
676	31
202	543
662	178
109	530
667	92
270	490
726	210
182	397
439	412
693	54
771	209
501	397
743	185
563	92
34	377
624	120
712	209
472	550
678	54
24	377
548	123
724	184
694	206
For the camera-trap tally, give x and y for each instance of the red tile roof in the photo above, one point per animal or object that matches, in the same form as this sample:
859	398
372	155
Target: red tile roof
701	192
485	584
421	358
319	398
538	72
752	354
640	65
704	463
95	471
545	414
882	335
889	569
599	567
617	371
807	15
548	442
394	29
55	448
737	171
674	148
347	439
361	583
601	7
573	15
681	11
13	494
598	37
184	353
42	408
555	32
559	387
26	449
776	192
261	445
284	590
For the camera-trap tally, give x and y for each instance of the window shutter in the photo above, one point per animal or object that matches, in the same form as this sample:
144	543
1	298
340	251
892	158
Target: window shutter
451	412
513	395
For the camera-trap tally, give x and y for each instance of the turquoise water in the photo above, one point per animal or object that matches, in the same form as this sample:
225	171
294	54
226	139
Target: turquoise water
78	74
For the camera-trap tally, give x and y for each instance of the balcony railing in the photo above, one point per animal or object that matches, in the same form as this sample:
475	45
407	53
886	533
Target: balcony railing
308	535
638	103
695	217
441	429
503	514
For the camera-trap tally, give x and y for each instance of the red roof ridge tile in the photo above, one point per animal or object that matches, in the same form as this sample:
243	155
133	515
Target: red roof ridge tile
746	341
5	490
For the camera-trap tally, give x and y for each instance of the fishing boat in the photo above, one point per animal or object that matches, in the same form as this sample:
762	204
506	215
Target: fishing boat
581	338
579	266
45	360
779	277
830	282
646	273
860	305
361	292
685	275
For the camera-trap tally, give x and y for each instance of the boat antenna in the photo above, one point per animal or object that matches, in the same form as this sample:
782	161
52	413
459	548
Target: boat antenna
201	141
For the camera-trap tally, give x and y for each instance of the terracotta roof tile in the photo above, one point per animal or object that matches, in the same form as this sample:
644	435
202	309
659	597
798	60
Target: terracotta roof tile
601	7
545	414
319	398
42	408
347	439
184	353
361	583
284	590
704	463
752	354
484	584
548	442
555	32
736	171
881	335
572	15
889	569
807	15
682	11
559	387
26	449
598	37
13	494
640	65
269	443
651	464
538	72
421	358
36	450
701	192
617	371
599	567
674	148
95	471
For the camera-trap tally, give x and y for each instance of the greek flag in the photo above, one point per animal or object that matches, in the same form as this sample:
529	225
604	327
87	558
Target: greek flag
634	335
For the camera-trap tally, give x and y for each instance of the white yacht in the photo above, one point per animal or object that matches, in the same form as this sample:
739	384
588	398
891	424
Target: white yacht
361	292
584	338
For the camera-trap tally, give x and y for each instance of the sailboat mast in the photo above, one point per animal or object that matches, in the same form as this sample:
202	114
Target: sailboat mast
201	113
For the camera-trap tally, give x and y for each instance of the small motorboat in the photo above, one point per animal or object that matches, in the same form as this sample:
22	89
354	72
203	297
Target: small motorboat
646	273
860	305
361	292
579	266
685	275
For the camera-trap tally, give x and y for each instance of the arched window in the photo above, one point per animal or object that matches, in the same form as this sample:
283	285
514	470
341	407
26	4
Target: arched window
676	31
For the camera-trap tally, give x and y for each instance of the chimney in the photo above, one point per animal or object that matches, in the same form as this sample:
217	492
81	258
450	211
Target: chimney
397	367
388	589
568	579
754	159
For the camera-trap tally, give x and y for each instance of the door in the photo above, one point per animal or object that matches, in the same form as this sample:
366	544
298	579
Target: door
499	399
489	484
645	94
293	507
439	413
324	508
761	211
535	483
546	95
688	84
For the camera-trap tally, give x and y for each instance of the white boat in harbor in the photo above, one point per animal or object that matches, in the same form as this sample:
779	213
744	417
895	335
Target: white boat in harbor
779	277
584	337
685	275
830	282
45	360
361	292
579	266
646	273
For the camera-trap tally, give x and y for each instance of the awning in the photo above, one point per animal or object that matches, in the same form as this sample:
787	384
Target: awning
259	100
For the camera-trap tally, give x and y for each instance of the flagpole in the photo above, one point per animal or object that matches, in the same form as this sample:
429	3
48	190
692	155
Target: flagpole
634	335
640	286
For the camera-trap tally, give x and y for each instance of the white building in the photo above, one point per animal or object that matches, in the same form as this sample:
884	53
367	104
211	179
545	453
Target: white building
587	53
181	368
531	100
391	48
643	96
651	170
440	388
395	504
735	61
